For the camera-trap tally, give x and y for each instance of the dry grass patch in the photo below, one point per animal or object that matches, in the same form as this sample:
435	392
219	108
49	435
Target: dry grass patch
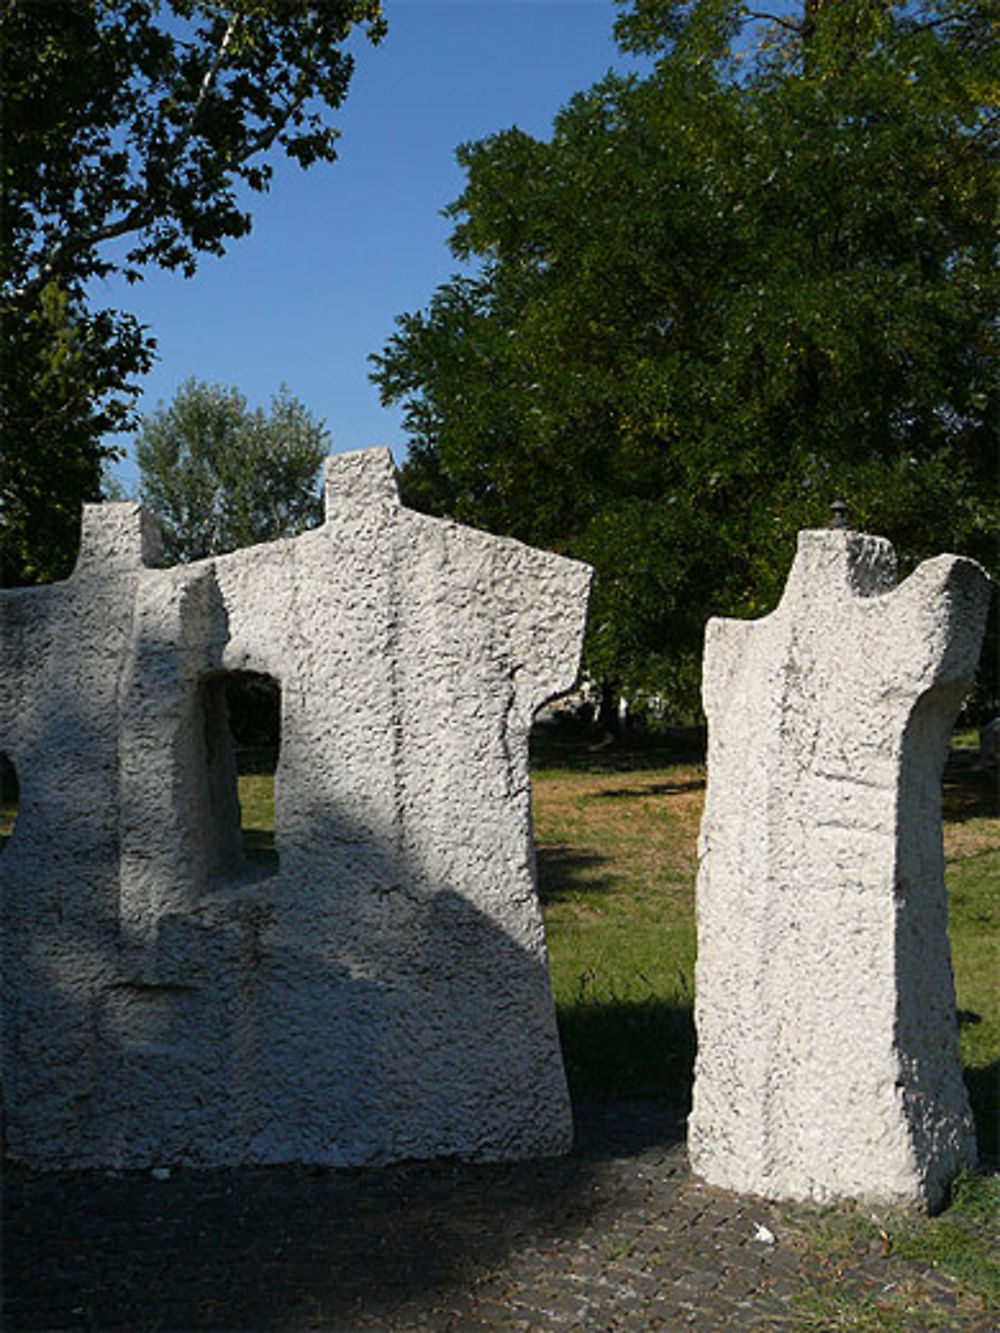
636	830
976	837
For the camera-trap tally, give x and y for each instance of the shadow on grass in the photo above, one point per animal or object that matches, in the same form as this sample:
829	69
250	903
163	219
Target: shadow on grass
565	872
258	843
629	1050
983	1083
641	1050
656	789
10	797
585	749
969	790
255	758
258	846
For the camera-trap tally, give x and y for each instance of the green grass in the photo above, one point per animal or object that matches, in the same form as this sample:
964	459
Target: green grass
257	807
965	738
962	1241
616	877
972	852
901	1271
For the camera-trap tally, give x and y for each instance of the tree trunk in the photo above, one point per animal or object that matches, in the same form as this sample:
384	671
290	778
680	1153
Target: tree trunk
607	712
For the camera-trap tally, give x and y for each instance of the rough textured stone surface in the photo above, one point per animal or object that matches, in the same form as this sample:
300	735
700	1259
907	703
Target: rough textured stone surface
828	1060
384	994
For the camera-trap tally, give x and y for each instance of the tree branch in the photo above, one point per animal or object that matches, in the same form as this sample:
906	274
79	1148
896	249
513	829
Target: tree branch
142	212
210	76
783	22
262	141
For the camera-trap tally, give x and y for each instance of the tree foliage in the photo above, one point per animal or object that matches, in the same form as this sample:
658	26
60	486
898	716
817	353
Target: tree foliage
63	391
760	277
134	134
219	476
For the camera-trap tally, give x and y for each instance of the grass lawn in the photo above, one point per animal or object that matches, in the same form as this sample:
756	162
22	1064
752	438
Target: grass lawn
616	851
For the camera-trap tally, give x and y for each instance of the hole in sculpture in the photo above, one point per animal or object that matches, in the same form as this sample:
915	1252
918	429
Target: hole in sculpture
242	739
10	798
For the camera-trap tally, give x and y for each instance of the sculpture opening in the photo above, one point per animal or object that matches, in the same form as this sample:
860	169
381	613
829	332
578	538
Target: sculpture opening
10	798
253	702
241	712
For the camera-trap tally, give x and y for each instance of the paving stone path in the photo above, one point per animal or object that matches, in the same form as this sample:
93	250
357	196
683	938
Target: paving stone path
618	1236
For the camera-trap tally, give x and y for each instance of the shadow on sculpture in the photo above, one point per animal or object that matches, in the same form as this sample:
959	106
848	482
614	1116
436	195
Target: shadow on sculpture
262	1247
382	992
265	1247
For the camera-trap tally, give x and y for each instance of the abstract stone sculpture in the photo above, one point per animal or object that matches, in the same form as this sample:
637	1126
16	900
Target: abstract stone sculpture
827	1043
384	994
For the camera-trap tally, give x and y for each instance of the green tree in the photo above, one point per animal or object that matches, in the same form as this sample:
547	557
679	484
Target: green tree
62	393
760	277
219	476
134	132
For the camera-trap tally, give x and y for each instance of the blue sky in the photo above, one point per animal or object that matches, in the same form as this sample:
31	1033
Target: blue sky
339	251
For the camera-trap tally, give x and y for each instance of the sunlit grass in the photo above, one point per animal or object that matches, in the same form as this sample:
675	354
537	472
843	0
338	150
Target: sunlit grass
616	856
958	1249
972	857
256	792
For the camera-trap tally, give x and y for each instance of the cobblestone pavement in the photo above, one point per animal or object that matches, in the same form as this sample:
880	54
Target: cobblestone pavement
618	1236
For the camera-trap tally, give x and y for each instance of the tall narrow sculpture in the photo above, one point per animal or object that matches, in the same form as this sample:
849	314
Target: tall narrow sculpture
827	1044
383	992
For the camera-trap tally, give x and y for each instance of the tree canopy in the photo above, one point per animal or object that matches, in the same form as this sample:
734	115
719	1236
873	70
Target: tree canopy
134	134
220	476
758	278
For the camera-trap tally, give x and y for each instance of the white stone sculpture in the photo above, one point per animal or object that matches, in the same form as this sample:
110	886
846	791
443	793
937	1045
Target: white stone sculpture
827	1042
383	995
